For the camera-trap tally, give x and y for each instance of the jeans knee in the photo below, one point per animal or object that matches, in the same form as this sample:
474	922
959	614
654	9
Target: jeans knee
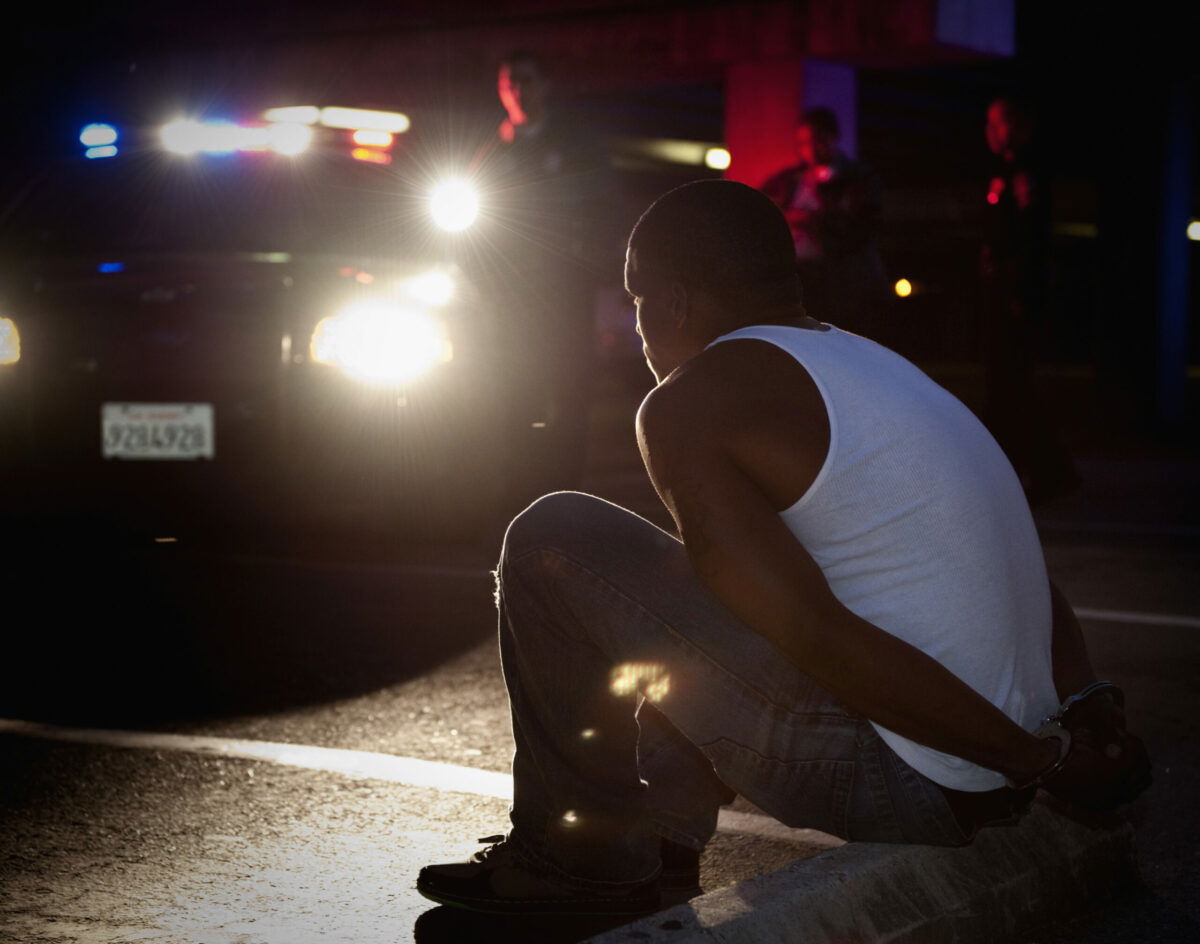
564	525
549	520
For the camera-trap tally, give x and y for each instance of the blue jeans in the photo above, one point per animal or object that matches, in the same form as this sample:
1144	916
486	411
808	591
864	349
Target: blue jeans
638	703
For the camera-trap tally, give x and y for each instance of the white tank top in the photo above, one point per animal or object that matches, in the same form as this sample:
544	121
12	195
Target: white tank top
920	526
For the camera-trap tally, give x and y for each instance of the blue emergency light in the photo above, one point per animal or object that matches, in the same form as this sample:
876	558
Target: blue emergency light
99	139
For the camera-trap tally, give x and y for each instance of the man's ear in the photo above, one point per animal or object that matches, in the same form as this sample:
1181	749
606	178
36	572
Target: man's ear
680	303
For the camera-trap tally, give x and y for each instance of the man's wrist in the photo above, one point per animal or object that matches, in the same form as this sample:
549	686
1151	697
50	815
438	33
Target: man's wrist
1037	755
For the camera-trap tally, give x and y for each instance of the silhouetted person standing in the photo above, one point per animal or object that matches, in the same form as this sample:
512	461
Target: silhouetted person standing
546	179
832	204
1014	269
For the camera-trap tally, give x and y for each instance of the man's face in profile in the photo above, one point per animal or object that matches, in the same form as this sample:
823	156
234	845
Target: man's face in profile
1007	130
999	128
523	91
662	341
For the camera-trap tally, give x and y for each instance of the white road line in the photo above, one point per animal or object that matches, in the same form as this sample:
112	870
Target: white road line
411	771
1128	616
407	770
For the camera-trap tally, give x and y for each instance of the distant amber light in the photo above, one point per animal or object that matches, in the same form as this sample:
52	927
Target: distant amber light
904	288
10	341
717	158
371	155
1193	231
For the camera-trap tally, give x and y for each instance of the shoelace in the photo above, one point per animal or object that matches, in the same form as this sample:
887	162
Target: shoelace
494	844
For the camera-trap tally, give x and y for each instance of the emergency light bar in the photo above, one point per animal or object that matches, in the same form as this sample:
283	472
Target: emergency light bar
347	119
186	136
288	130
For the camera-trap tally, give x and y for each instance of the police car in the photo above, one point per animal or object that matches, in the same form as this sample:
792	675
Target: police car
212	322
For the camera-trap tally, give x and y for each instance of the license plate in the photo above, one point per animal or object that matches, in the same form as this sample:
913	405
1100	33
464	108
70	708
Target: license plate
157	431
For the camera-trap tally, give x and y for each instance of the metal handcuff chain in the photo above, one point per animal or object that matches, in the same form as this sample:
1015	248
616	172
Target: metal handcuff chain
1054	727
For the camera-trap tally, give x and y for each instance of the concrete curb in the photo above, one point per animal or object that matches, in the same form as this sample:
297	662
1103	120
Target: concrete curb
1009	880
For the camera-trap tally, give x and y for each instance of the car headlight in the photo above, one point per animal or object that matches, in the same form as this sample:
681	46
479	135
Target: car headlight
381	341
10	342
454	204
434	288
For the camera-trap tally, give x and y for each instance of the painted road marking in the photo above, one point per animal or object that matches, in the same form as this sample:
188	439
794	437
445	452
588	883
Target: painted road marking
1148	619
407	770
411	771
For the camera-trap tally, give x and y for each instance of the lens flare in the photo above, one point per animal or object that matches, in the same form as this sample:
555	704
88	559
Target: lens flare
454	204
650	677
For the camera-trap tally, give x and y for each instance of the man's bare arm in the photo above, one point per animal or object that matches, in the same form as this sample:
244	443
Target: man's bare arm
744	553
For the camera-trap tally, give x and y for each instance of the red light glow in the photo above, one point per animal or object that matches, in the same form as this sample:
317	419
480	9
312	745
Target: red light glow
371	155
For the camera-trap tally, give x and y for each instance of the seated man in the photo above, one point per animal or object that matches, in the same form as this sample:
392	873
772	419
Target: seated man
857	632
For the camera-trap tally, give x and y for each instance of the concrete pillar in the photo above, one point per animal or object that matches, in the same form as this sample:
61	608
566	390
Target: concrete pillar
763	101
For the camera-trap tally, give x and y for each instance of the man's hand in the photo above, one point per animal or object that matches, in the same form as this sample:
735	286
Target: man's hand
1101	778
1107	765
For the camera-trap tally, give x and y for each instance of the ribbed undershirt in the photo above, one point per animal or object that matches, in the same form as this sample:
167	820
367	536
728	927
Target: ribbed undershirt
921	527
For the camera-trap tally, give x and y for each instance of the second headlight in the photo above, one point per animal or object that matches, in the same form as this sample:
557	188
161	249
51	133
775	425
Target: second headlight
381	341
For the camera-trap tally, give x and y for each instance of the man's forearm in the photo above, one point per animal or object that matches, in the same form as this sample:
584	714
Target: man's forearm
872	672
909	692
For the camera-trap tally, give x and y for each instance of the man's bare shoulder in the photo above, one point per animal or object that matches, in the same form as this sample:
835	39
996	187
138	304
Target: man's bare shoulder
749	400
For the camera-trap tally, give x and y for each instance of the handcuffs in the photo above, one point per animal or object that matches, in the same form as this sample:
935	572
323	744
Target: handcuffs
1055	726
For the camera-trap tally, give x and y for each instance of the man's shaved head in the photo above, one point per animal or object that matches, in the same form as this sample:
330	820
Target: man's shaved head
719	236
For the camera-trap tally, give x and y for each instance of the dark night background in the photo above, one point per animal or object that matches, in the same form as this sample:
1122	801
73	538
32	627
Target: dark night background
1103	83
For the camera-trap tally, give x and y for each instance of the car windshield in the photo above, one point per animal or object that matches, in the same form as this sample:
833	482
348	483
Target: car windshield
243	202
